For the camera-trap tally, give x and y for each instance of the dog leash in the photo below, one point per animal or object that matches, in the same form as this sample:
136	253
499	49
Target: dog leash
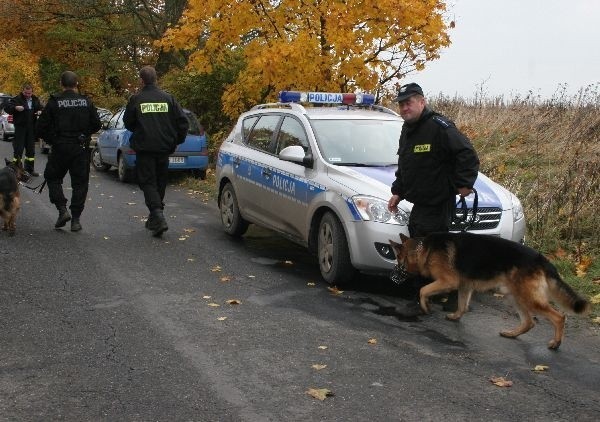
41	186
465	221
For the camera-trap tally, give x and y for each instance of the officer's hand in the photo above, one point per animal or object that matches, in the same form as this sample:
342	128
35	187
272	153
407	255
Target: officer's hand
465	191
19	108
393	203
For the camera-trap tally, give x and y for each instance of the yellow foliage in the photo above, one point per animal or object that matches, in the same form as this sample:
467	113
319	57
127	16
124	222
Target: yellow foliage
328	45
18	66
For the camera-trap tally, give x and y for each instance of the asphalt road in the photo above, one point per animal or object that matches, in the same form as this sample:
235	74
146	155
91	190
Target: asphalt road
113	324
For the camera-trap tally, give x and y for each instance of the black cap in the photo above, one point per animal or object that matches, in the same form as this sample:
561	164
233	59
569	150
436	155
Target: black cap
407	91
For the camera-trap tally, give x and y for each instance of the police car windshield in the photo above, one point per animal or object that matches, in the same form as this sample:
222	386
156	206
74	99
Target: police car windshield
358	142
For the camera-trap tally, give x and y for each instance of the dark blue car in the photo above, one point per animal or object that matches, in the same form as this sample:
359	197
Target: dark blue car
112	149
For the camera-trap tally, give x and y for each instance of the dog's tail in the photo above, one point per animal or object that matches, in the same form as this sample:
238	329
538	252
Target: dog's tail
7	199
563	293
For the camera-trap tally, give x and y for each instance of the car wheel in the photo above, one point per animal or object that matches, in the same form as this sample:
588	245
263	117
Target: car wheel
333	253
97	160
123	172
232	220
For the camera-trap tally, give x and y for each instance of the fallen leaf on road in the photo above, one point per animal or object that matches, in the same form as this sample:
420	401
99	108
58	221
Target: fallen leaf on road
501	382
498	295
216	269
319	393
191	259
225	279
189	230
322	347
206	297
131	203
214	305
251	276
596	320
372	341
310	284
183	238
540	368
223	318
318	366
233	302
335	290
106	237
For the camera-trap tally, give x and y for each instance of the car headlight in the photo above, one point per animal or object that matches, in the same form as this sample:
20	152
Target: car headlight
517	208
375	209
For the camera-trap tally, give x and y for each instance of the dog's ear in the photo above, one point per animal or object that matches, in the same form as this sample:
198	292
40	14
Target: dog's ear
403	237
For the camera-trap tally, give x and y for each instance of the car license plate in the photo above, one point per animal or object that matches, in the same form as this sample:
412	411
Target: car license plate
176	160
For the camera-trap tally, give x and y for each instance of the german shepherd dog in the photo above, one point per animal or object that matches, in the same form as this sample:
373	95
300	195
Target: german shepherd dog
474	262
10	197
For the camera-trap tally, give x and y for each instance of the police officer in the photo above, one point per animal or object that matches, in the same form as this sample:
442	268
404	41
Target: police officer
25	109
67	123
435	163
158	124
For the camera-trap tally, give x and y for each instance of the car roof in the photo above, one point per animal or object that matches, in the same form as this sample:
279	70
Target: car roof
331	112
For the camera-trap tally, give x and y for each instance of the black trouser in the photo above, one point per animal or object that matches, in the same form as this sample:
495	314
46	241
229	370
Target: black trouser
426	219
24	140
153	174
74	159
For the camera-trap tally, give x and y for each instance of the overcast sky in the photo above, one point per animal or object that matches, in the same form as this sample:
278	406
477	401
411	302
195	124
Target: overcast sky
513	46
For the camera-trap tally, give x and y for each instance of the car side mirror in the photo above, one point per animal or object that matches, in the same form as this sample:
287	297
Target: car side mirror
296	154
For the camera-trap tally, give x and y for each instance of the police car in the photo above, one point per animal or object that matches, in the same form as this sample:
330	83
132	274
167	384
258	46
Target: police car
321	175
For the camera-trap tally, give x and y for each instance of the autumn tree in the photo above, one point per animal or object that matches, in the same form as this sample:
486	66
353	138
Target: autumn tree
104	41
329	45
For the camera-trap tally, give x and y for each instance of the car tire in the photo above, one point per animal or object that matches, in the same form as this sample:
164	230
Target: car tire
332	250
231	219
123	172
97	160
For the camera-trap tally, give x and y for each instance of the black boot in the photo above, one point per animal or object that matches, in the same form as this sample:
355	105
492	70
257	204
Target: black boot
149	222
29	168
157	223
75	224
63	217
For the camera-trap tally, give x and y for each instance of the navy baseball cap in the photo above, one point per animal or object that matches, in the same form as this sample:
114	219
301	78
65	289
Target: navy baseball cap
407	91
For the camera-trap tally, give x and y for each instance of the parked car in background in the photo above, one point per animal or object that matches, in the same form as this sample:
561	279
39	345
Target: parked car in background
105	115
321	177
112	149
7	129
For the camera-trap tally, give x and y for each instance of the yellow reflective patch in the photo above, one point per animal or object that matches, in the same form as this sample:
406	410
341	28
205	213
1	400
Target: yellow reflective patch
154	108
422	148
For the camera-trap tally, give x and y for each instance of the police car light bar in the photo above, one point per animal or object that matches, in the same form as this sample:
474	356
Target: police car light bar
325	98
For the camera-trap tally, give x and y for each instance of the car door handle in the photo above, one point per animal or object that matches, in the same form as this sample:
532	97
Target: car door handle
266	172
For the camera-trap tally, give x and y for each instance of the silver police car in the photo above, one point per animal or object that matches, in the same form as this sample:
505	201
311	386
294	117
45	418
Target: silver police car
321	176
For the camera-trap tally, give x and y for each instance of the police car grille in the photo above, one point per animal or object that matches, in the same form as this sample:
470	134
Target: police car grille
487	218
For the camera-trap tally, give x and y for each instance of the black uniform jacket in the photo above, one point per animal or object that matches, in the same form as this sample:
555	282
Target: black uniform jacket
22	118
434	159
68	118
157	121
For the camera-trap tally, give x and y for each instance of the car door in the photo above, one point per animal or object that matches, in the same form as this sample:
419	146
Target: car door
290	181
252	173
109	140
